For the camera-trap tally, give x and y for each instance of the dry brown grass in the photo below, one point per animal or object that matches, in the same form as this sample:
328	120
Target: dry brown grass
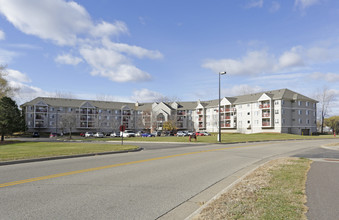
255	195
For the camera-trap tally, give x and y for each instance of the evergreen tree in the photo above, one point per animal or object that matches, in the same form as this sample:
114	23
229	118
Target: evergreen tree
11	119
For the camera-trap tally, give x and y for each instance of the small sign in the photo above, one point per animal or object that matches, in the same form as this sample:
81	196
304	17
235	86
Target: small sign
122	128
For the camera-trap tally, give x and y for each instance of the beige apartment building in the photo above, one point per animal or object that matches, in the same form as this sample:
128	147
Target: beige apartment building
279	111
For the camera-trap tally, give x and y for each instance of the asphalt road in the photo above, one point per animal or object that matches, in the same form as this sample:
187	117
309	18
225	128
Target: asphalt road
155	183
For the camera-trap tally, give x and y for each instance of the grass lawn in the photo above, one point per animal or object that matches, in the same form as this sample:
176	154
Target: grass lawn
27	150
226	138
273	191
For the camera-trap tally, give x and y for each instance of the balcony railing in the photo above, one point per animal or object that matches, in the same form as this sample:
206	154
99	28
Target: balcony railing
265	124
228	117
266	115
41	110
199	112
264	106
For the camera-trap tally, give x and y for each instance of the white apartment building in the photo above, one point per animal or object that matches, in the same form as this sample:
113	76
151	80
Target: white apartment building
278	111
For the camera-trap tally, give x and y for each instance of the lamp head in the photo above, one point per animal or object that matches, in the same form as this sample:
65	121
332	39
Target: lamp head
222	73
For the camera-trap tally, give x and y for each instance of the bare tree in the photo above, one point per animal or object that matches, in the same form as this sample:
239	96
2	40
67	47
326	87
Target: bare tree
63	94
5	88
325	97
167	99
68	122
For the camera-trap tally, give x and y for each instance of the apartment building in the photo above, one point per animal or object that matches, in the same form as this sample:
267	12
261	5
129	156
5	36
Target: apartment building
279	111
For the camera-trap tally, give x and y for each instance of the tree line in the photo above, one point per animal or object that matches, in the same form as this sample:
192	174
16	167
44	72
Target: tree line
11	118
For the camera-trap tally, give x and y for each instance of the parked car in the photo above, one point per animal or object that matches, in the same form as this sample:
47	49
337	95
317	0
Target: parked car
206	133
139	134
89	134
190	133
35	134
115	134
82	134
199	134
182	134
53	135
156	133
98	135
128	133
147	135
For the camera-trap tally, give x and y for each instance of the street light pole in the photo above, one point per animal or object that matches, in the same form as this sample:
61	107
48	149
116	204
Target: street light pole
219	134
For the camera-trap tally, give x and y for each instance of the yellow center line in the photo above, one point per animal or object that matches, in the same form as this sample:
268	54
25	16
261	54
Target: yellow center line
113	165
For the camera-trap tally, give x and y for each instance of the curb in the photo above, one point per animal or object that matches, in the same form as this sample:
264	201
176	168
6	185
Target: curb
66	157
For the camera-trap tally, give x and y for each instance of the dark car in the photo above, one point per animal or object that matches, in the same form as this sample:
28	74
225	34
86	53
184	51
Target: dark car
36	134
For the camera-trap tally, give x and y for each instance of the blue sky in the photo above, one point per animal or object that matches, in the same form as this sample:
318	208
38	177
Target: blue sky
144	50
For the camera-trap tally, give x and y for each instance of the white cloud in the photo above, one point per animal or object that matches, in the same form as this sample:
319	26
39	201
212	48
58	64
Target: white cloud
6	56
145	95
329	77
303	4
2	35
241	89
254	62
107	29
132	50
56	20
258	62
110	64
291	58
67	23
15	75
68	59
255	4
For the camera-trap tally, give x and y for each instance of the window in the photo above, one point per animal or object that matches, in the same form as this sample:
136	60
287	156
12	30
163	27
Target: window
308	121
307	112
52	109
276	102
283	121
276	111
283	102
100	111
248	113
299	112
307	104
69	109
299	103
277	121
283	111
248	122
300	121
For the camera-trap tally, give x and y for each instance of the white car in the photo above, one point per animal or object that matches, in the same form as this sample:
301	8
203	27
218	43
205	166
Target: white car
128	133
89	134
115	134
98	135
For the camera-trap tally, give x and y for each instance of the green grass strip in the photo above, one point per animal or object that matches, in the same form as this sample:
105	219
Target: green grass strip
28	150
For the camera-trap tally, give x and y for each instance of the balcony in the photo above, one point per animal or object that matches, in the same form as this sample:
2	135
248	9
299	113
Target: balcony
266	124
266	115
201	119
41	110
228	117
264	106
181	113
199	112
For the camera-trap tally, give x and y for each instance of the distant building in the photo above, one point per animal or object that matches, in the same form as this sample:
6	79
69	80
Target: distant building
279	111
